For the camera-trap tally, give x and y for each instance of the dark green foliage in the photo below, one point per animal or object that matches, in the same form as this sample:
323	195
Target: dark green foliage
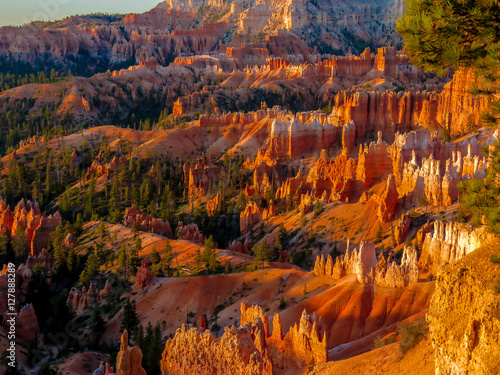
167	257
91	269
479	198
209	255
97	326
262	253
152	345
282	304
302	258
6	252
130	319
11	80
451	33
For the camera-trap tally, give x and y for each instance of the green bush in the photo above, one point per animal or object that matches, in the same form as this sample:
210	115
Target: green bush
411	334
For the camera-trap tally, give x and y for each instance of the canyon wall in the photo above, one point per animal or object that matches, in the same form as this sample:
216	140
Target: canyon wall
463	317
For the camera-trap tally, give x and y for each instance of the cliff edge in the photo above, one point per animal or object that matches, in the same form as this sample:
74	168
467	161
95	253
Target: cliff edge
464	315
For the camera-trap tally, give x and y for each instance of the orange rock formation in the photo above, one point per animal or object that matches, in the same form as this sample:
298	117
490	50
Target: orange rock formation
146	223
253	215
28	218
189	232
129	359
143	277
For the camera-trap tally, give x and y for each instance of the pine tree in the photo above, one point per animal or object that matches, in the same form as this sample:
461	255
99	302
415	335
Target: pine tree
167	257
97	326
138	336
134	254
262	254
277	247
48	180
130	319
209	256
19	244
102	231
91	269
198	260
123	262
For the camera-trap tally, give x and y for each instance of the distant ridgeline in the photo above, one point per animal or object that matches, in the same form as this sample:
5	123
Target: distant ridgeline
95	43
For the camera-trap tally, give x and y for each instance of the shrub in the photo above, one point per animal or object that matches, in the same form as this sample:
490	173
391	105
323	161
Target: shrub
496	288
495	259
380	342
318	208
282	304
411	334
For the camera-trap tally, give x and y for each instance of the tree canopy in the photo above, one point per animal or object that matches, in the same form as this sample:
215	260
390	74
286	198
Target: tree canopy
439	34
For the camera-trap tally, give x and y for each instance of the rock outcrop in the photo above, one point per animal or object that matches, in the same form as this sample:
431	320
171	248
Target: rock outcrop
304	344
382	111
43	258
249	349
358	262
391	275
402	227
429	184
458	106
363	264
27	218
290	138
448	242
143	277
200	177
388	201
84	299
189	232
253	215
146	223
99	169
129	359
463	316
27	325
194	351
215	204
374	162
